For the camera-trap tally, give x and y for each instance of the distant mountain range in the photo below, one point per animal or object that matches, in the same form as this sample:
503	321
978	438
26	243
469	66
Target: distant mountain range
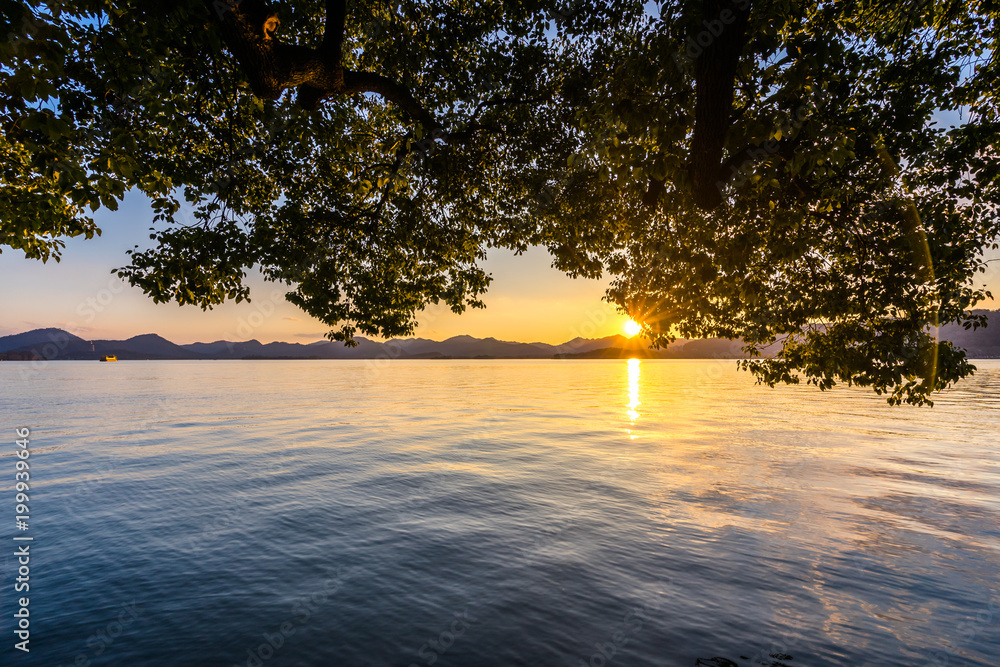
59	344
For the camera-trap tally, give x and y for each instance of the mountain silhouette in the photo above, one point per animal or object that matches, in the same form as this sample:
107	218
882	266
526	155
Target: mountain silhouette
54	343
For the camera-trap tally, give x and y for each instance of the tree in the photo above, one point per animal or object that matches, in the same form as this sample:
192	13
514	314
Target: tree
777	174
757	170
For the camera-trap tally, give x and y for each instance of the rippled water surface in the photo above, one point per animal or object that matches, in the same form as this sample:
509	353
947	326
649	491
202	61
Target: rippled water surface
498	513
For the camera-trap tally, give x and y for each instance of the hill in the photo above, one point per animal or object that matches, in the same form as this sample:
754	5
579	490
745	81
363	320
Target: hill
58	344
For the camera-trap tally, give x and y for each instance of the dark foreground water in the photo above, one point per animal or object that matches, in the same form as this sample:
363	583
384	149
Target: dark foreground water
496	513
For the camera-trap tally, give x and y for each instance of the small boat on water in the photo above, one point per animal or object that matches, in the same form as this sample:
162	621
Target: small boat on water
109	357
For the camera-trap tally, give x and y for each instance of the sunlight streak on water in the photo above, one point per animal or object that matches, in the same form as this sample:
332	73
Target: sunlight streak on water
633	389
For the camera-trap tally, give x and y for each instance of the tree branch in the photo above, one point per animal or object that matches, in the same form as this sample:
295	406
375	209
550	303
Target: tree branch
369	82
271	66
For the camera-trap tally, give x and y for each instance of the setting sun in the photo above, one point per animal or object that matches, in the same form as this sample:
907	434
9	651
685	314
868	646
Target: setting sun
631	328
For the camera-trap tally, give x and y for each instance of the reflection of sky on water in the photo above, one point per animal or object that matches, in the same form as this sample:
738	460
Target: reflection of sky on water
746	521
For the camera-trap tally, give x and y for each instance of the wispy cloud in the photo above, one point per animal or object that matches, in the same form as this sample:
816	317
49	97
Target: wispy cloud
30	325
75	328
292	319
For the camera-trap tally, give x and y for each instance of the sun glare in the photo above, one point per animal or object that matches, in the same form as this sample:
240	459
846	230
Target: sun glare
632	328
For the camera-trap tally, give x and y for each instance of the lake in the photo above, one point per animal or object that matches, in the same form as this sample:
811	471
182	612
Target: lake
493	512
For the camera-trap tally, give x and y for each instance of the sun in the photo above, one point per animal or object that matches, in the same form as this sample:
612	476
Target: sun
631	328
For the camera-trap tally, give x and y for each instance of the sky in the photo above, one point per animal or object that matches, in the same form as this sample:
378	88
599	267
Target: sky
529	301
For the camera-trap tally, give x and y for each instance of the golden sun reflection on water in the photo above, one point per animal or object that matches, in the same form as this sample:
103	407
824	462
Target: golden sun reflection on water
633	391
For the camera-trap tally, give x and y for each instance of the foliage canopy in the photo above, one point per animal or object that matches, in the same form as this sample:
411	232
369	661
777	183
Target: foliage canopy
776	171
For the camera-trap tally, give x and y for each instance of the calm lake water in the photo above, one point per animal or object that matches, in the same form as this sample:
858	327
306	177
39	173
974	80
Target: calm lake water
488	513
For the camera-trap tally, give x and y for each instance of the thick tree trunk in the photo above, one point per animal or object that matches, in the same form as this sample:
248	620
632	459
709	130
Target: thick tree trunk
724	27
271	66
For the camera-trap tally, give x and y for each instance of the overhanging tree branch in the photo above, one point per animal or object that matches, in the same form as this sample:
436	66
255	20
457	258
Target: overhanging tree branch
369	82
271	66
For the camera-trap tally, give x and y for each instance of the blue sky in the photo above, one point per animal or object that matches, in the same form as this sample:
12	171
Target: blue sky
529	301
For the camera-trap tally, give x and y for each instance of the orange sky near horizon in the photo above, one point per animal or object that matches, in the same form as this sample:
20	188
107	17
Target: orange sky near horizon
529	301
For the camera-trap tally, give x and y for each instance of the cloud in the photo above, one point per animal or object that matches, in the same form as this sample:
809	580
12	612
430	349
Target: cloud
74	328
314	336
292	319
30	325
